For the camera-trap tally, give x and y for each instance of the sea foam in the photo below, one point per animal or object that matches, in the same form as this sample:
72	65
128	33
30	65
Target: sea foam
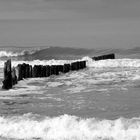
14	54
125	62
114	63
68	127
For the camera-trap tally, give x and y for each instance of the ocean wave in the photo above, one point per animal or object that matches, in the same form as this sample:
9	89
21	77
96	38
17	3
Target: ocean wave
15	54
125	62
113	63
68	53
43	53
8	54
68	127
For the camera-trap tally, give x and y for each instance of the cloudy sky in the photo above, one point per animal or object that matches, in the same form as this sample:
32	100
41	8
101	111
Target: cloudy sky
70	23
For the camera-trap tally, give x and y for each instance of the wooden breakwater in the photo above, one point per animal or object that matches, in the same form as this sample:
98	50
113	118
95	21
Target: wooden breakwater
22	71
103	57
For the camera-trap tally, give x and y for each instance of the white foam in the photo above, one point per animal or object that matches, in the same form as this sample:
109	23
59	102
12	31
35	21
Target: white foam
114	63
54	84
90	62
22	88
8	54
68	127
15	54
76	89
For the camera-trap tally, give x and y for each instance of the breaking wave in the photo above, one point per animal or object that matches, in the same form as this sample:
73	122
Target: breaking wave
8	54
56	52
90	63
14	54
46	53
68	127
113	63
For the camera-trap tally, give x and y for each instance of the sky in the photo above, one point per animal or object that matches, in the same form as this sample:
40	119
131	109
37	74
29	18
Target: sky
70	23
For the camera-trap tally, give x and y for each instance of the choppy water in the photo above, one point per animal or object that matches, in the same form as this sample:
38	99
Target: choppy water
101	102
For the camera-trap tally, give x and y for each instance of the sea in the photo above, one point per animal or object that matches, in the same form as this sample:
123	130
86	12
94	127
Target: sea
100	102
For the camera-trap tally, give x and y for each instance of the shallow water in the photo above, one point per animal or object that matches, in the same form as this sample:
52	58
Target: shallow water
93	92
101	102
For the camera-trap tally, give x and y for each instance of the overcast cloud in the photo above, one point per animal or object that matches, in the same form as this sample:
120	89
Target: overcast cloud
70	23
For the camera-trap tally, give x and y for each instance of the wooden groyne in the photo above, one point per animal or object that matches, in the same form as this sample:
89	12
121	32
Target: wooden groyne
103	57
14	74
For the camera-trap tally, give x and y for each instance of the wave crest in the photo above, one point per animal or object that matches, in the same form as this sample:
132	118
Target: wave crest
15	54
68	127
8	54
113	63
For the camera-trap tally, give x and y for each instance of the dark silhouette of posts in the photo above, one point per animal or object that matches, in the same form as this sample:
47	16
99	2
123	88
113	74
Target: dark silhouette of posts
34	72
30	71
48	71
103	57
19	68
13	75
7	82
66	68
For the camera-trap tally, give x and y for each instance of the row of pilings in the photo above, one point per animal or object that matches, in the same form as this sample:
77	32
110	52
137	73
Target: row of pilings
14	74
104	57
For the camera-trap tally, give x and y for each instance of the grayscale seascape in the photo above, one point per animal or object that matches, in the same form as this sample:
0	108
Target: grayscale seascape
98	102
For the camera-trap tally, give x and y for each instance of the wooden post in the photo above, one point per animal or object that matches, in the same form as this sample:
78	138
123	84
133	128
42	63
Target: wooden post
78	65
103	57
83	64
52	69
74	66
34	71
23	69
57	70
30	71
39	71
66	68
14	76
60	68
43	71
19	68
7	83
48	71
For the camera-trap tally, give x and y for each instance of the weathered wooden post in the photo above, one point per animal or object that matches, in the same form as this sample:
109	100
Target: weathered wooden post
7	82
52	69
66	68
83	64
74	66
103	57
48	71
34	71
57	70
78	65
23	69
43	71
26	70
61	68
19	68
30	71
14	76
39	71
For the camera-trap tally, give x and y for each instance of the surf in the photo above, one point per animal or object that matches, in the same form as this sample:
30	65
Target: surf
67	127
